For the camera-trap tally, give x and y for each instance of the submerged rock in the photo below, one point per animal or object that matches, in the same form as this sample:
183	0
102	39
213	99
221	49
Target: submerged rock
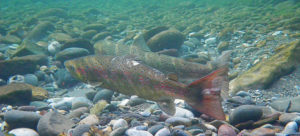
29	48
71	53
58	12
60	37
245	113
97	27
39	31
79	43
23	132
15	94
287	104
21	119
266	72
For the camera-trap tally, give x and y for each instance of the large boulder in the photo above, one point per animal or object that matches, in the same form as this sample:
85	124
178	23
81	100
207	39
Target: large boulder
21	65
263	74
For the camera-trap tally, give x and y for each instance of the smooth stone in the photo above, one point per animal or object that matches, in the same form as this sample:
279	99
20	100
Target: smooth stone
103	94
100	36
140	127
64	78
195	131
79	43
31	79
150	33
66	101
53	123
57	12
225	130
118	132
80	129
136	101
10	39
263	132
71	53
27	108
179	132
287	117
20	119
98	107
163	132
15	94
88	34
290	128
78	112
39	31
23	132
90	95
79	105
241	100
181	112
39	104
120	123
2	82
27	48
245	113
60	37
97	27
90	120
54	47
179	121
282	104
134	132
243	94
16	79
155	129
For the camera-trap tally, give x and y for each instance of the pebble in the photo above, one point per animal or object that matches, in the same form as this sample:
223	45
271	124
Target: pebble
134	132
19	119
245	113
118	132
90	120
181	112
54	47
155	128
179	121
80	129
120	123
290	128
103	94
31	79
163	132
225	130
23	132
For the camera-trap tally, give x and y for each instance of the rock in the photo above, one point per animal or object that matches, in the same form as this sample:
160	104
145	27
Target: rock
79	104
78	112
39	104
241	100
168	39
245	113
27	108
57	12
20	119
66	101
179	121
290	128
80	129
97	27
287	117
211	41
90	95
16	79
29	65
60	37
2	82
10	39
133	101
79	43
28	48
90	120
53	123
133	132
103	94
31	79
155	129
178	132
23	132
180	112
163	132
222	46
118	132
225	130
120	123
266	72
64	78
2	56
89	34
54	47
39	31
148	34
263	132
15	94
38	93
71	53
98	107
287	104
100	36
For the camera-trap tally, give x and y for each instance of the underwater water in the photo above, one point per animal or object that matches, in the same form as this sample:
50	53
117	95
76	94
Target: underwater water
153	67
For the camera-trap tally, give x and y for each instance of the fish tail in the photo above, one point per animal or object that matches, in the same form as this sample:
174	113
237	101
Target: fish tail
205	94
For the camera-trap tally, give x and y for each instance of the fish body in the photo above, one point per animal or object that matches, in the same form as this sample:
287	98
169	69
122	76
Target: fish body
128	75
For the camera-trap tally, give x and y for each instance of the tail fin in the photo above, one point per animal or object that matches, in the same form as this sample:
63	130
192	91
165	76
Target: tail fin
204	94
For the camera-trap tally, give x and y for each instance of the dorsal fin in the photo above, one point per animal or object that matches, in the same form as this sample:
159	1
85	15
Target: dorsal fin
139	42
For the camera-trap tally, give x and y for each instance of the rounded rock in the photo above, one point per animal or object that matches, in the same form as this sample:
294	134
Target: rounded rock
20	119
163	132
31	79
134	132
290	128
225	130
179	121
245	113
120	123
155	129
80	129
23	132
71	53
103	94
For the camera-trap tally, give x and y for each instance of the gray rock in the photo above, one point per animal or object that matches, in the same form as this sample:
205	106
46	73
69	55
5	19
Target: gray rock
39	104
39	31
290	128
179	132
245	113
103	94
179	121
118	132
71	53
287	117
31	79
155	129
53	123
180	112
134	132
120	123
23	132
80	129
15	94
77	105
79	43
136	101
19	119
243	94
78	112
163	132
64	78
287	104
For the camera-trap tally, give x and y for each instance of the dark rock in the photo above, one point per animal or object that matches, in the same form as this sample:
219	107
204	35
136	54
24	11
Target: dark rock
64	78
29	48
31	79
169	39
39	104
179	132
53	123
15	94
40	75
27	108
39	31
287	104
103	94
97	27
91	95
79	43
136	101
245	113
155	128
148	34
20	119
71	53
28	64
80	129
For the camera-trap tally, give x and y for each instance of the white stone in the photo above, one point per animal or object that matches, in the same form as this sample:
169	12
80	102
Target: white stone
54	47
23	132
163	132
181	112
120	123
133	132
211	40
277	33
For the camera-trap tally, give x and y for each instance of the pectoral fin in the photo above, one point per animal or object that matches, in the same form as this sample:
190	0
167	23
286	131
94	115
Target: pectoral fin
167	105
